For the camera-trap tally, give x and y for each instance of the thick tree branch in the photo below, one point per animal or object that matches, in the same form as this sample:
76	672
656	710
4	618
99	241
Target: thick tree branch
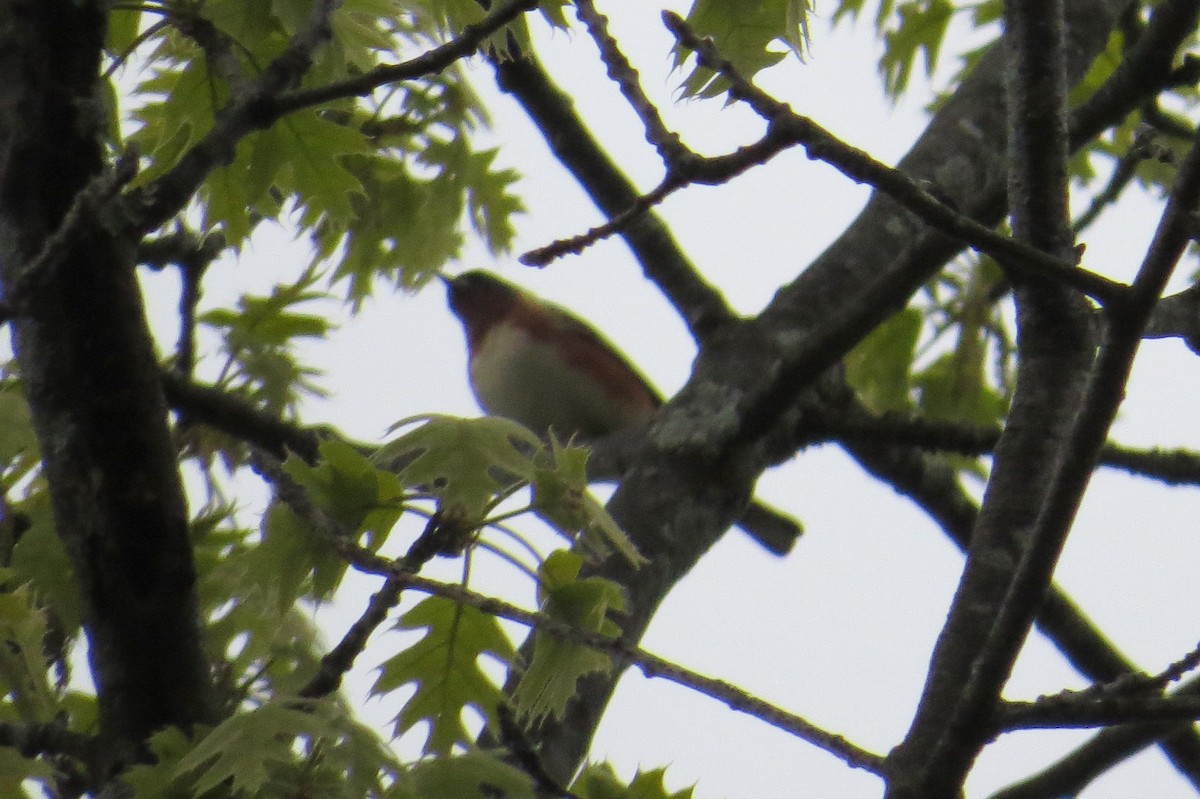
748	376
1124	334
1075	459
993	608
92	383
887	257
934	486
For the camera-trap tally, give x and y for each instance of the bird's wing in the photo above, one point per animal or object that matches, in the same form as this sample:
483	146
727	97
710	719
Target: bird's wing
587	349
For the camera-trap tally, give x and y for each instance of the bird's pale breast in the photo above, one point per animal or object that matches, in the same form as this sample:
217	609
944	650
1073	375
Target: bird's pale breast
524	379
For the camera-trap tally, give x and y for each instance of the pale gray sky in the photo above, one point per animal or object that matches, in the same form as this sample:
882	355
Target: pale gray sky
840	632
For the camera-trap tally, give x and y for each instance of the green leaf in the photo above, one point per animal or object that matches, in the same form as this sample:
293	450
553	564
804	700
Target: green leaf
22	665
491	204
444	666
40	561
955	386
921	29
18	444
743	31
848	8
879	368
952	389
314	149
472	775
246	747
264	322
256	25
122	30
409	223
1101	68
600	781
557	664
159	780
190	97
361	31
348	485
260	338
293	560
15	770
466	462
560	497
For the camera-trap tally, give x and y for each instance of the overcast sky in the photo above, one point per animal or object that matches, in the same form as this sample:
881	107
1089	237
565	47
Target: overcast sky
840	632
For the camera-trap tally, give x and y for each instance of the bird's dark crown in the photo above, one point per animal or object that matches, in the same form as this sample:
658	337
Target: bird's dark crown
480	298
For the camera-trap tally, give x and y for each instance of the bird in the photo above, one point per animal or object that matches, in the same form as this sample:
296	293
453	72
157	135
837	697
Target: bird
543	367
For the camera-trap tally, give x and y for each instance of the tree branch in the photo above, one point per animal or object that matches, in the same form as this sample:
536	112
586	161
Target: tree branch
702	307
1169	466
976	650
432	62
708	441
89	375
1070	775
934	486
238	418
650	665
1075	458
253	107
787	129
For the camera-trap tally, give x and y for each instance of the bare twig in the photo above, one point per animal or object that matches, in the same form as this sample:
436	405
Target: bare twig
1170	466
1083	710
787	129
340	659
625	76
702	307
432	62
1072	773
650	665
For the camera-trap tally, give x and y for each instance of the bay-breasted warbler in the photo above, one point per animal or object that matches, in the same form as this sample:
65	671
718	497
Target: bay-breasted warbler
539	365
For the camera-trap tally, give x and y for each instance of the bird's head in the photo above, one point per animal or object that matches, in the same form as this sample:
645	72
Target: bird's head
480	300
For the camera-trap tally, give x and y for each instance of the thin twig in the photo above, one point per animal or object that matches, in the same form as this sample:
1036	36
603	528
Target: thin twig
650	665
432	62
1170	466
340	659
787	128
666	141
